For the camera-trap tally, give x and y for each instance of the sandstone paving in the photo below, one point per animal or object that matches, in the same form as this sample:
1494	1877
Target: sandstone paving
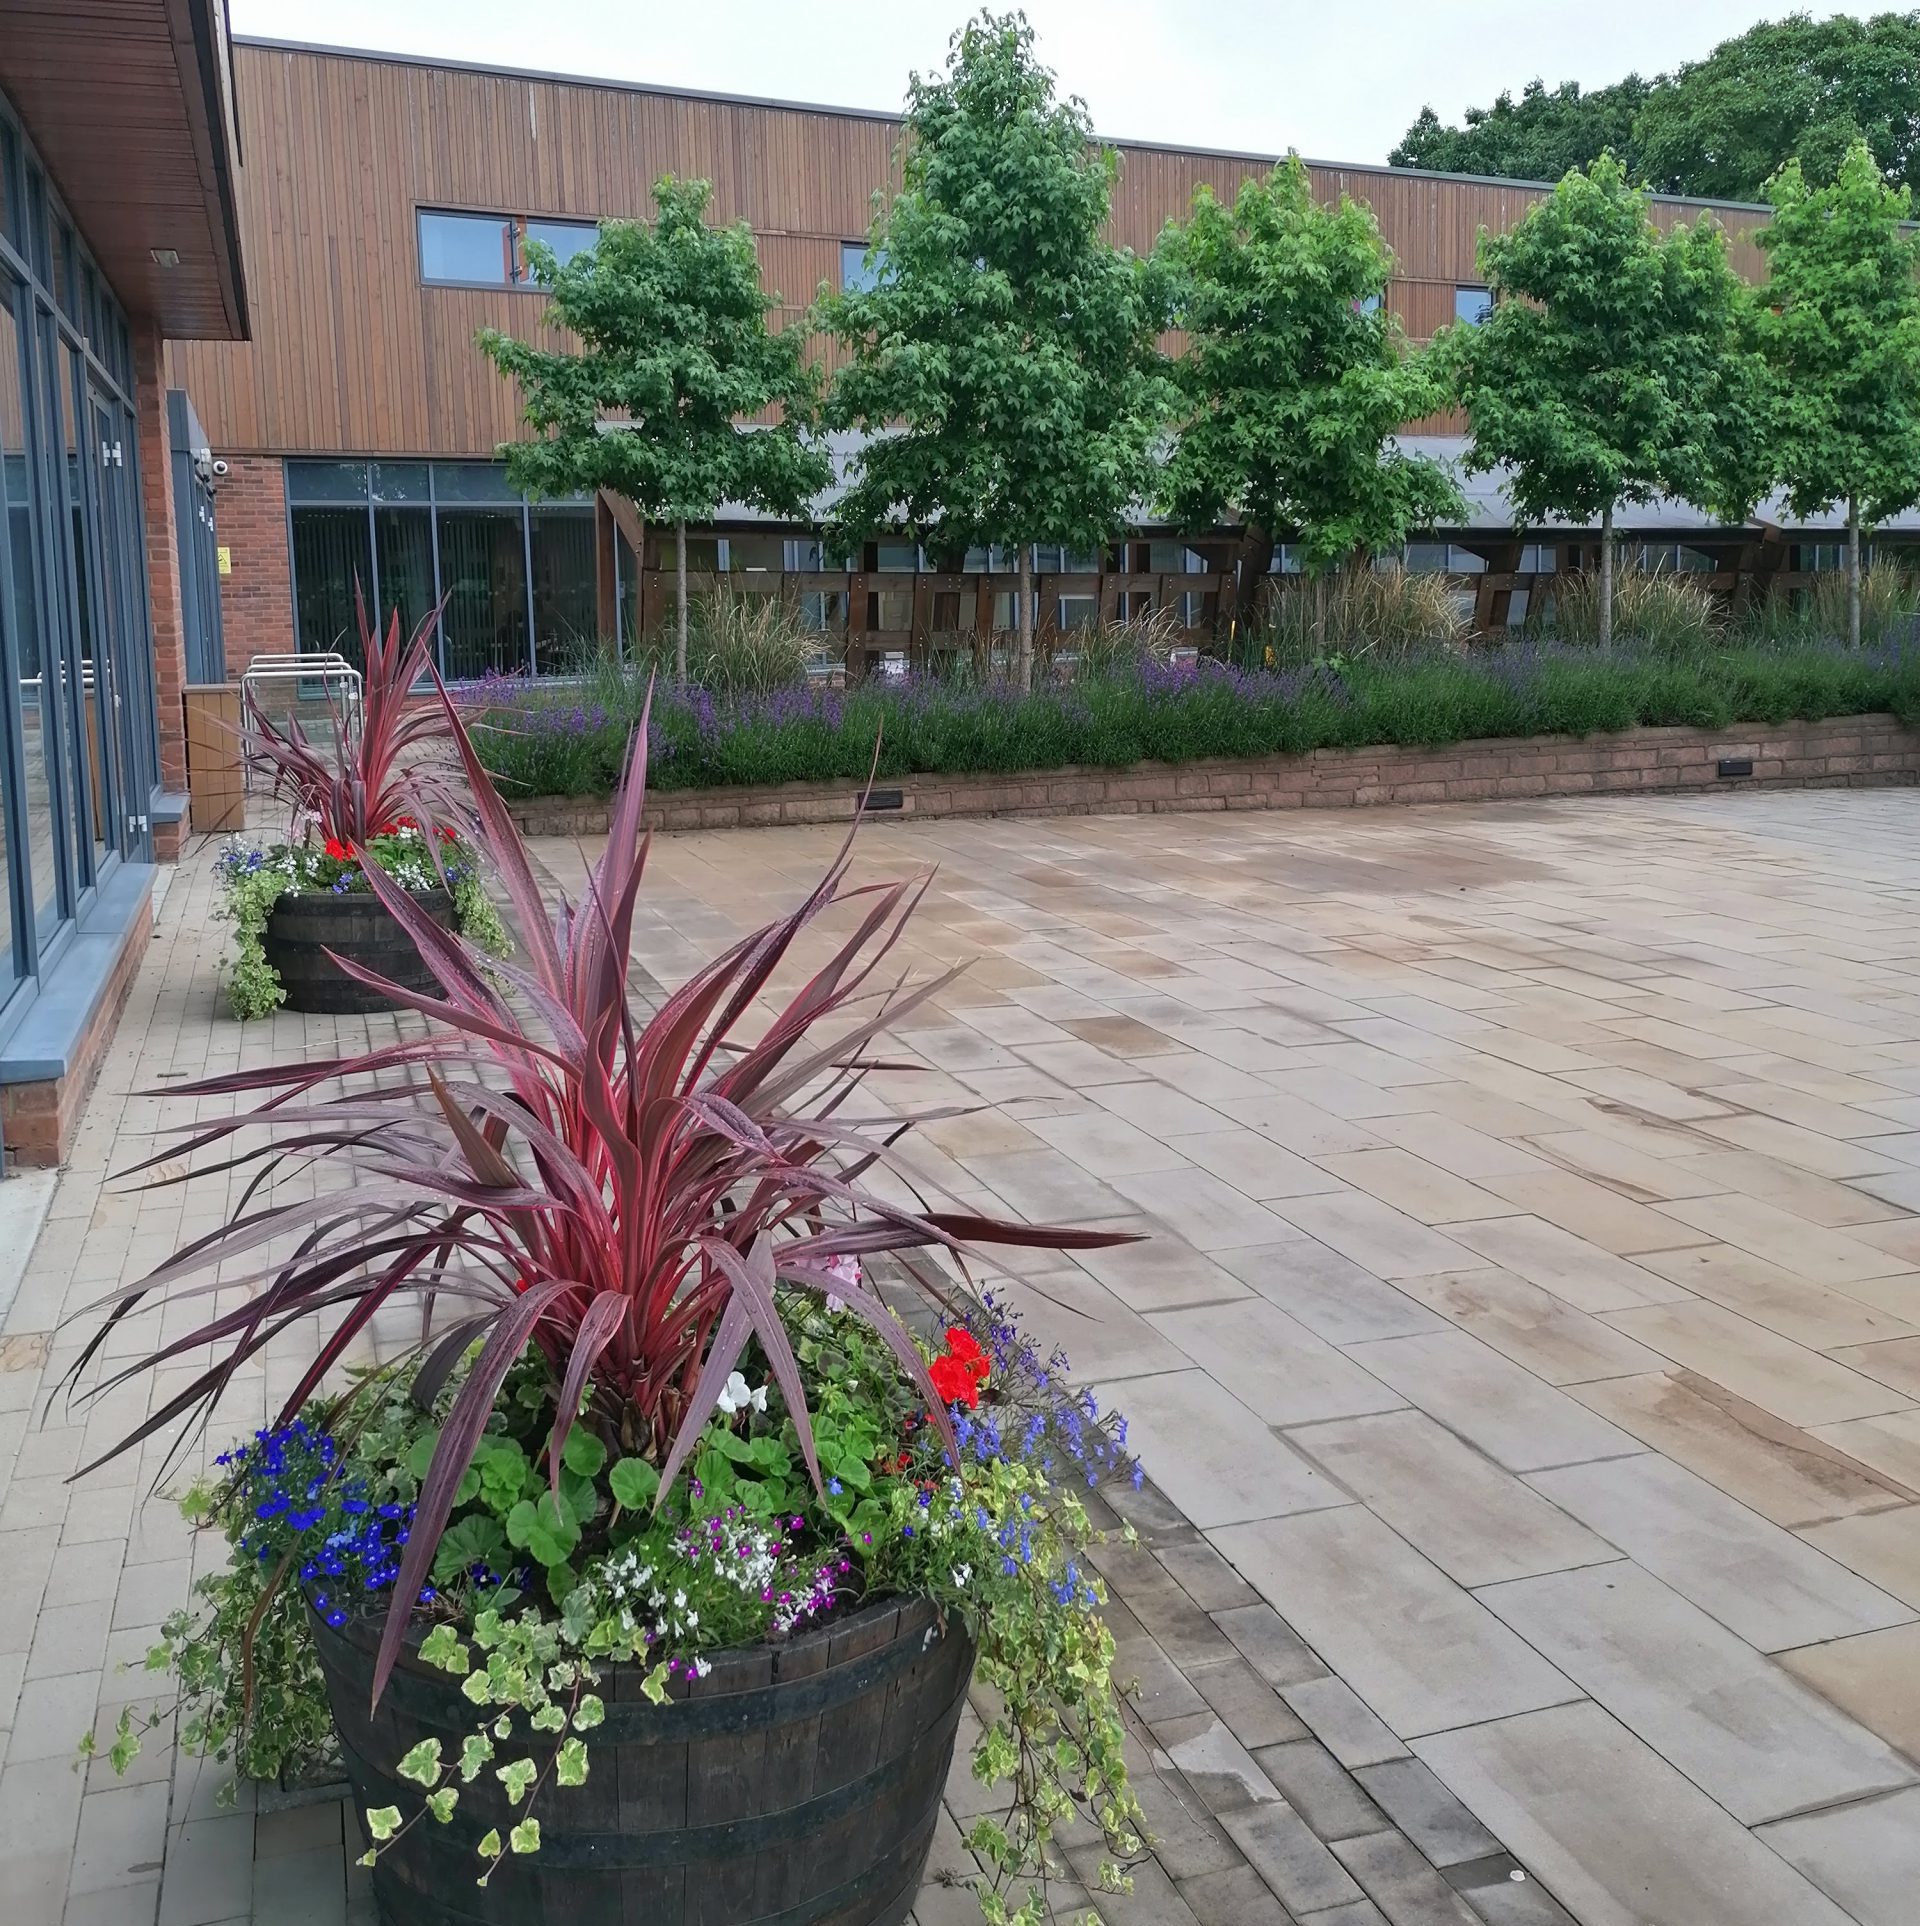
1521	1348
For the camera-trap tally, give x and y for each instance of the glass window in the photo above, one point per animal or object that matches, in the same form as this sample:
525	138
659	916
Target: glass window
1174	558
1006	609
891	610
400	481
331	560
565	238
896	558
804	556
566	614
483	576
857	273
473	481
1472	305
1539	558
1367	304
467	248
1421	558
756	555
1079	611
1286	559
403	547
823	613
94	667
326	481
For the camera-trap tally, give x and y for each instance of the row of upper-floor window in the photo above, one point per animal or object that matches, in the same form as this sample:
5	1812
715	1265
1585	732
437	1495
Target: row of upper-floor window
462	249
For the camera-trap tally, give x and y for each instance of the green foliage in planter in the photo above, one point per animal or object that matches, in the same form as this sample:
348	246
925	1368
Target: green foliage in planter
535	1592
252	880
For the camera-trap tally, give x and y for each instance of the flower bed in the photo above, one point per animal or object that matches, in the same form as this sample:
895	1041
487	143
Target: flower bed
543	739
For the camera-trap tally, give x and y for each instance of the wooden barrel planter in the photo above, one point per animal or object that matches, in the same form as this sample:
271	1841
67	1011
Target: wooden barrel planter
302	929
796	1784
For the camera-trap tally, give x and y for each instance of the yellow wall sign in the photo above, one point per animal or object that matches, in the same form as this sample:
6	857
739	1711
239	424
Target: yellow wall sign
226	558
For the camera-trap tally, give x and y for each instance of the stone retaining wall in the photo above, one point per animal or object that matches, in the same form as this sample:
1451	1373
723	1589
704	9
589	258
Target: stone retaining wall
1843	752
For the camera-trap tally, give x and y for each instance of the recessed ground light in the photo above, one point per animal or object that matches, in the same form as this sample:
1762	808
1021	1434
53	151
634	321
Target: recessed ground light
165	256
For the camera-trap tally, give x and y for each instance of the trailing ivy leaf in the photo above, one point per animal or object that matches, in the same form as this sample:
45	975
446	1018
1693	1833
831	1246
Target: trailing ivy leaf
443	1647
570	1763
633	1482
475	1751
489	1847
583	1453
549	1718
517	1775
525	1837
442	1803
654	1685
588	1713
383	1821
421	1763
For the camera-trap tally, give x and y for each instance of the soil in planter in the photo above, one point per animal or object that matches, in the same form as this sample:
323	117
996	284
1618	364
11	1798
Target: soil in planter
795	1785
302	929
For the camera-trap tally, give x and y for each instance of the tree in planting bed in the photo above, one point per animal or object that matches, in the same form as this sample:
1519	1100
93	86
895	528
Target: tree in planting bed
1838	322
674	360
1295	383
1001	363
381	798
655	1419
1609	368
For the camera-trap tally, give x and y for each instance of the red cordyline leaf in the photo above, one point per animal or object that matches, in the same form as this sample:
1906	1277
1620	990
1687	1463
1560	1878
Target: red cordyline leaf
394	766
625	1193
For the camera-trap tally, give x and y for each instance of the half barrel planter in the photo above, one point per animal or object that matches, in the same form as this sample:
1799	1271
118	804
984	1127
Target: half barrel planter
797	1784
302	929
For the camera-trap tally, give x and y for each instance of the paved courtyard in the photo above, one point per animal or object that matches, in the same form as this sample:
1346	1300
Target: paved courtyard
1525	1350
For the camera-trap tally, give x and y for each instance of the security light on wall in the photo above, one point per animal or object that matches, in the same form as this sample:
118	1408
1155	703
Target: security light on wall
167	257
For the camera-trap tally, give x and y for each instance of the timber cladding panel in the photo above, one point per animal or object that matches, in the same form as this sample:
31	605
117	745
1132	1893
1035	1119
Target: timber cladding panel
351	354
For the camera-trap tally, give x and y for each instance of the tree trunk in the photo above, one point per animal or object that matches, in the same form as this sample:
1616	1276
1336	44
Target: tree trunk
1023	653
1320	610
1606	577
1256	557
1853	571
680	581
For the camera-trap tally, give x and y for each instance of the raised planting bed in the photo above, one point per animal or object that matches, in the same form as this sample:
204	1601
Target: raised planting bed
305	933
1839	752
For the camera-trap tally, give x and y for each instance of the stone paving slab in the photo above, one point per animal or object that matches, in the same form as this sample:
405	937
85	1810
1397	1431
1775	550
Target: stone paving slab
1523	1351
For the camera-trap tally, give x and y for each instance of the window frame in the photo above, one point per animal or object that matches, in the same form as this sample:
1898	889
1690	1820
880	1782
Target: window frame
514	231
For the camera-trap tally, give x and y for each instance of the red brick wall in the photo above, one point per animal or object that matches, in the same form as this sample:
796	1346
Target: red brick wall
163	567
1844	752
256	599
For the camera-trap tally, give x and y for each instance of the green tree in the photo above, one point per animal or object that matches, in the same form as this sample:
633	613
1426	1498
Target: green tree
673	360
1838	322
1606	371
1002	366
1723	126
1720	127
1295	379
1535	138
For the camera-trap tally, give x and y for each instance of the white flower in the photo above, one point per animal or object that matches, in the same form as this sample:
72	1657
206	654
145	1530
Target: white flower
962	1574
759	1399
734	1395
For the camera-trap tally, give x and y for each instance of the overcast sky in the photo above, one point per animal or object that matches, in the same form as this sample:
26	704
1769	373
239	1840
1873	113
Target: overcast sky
1335	79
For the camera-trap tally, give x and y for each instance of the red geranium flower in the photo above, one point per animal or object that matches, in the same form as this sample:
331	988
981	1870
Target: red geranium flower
337	849
962	1344
954	1381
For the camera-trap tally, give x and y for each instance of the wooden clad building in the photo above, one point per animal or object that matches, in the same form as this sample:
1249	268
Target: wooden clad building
382	209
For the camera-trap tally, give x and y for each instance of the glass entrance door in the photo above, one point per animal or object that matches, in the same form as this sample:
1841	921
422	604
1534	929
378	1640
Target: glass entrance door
120	695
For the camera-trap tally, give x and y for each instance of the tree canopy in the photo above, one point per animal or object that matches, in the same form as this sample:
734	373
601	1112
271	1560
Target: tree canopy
1720	127
672	363
1601	375
1002	367
1295	378
1838	323
1535	138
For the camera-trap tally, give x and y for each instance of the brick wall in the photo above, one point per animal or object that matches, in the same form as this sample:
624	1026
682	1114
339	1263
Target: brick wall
39	1120
256	599
163	561
1847	751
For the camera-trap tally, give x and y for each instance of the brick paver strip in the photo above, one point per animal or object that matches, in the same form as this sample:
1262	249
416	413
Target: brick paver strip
1664	1054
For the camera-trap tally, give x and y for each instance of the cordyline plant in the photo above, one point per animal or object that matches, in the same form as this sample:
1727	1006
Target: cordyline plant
393	768
623	1193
